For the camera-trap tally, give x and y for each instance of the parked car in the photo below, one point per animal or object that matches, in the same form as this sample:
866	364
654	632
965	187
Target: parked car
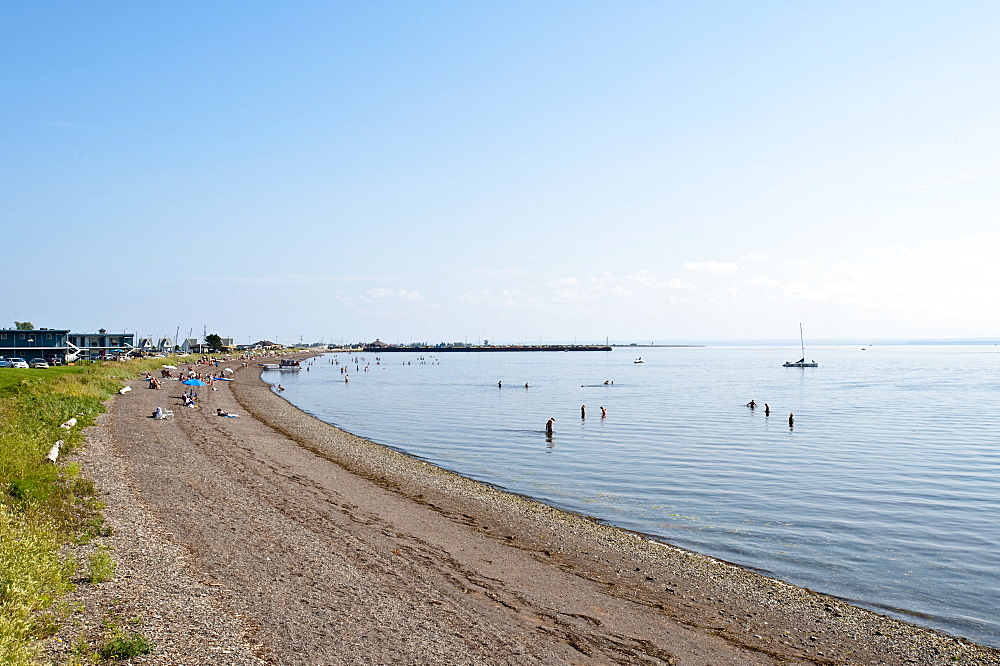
38	363
14	362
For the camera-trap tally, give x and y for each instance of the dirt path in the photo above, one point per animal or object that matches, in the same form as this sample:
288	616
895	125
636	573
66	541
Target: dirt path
322	548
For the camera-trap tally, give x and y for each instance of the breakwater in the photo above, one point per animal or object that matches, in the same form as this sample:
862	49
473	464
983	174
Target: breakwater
493	348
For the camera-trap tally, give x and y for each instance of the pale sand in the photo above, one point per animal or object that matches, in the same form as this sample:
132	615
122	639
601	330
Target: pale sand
276	538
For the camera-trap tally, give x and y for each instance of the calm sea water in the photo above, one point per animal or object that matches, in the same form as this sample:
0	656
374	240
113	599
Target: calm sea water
885	492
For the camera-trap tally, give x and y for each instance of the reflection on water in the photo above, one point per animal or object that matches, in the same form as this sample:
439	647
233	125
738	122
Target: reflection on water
884	490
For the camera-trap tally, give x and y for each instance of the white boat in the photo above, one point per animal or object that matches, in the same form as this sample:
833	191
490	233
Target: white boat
801	363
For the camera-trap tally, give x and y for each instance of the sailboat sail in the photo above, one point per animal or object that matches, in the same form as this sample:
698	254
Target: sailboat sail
801	363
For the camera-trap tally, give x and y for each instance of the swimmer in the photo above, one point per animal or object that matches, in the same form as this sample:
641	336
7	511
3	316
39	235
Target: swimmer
280	387
549	425
752	404
525	384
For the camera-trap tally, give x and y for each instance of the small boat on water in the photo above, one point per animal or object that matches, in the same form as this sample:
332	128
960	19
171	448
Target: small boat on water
801	363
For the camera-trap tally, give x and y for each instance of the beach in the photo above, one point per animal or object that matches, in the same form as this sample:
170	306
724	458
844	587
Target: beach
276	538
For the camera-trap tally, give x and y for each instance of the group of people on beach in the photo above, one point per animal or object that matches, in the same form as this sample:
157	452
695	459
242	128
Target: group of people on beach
767	411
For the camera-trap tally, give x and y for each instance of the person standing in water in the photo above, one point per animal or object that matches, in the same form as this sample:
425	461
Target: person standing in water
549	426
791	420
583	411
604	413
752	404
767	409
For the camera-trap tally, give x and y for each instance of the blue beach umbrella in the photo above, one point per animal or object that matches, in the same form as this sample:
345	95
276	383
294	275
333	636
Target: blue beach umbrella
194	382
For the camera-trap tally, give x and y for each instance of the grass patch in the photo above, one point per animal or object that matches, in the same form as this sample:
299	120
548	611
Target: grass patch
100	566
43	506
124	644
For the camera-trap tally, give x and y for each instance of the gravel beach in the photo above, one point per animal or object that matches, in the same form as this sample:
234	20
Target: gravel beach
274	538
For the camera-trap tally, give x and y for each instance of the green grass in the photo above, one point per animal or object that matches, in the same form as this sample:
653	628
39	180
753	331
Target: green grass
100	566
43	506
124	644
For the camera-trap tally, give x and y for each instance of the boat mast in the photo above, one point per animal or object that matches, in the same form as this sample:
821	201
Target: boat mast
802	341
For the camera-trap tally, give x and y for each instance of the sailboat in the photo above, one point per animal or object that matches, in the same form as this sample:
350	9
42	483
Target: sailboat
801	363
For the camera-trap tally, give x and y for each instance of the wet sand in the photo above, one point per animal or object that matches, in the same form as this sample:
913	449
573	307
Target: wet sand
276	538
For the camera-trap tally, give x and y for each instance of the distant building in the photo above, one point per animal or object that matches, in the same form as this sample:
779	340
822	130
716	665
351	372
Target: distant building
191	346
47	343
103	344
165	345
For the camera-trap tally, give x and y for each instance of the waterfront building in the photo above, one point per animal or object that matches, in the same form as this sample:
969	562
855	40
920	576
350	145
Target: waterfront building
47	343
103	344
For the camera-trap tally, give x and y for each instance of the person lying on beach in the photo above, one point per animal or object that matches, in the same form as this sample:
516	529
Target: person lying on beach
219	412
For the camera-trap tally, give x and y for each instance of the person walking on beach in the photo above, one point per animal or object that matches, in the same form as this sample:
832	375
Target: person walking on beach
549	426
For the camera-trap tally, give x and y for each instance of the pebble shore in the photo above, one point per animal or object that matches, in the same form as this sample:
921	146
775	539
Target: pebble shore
275	538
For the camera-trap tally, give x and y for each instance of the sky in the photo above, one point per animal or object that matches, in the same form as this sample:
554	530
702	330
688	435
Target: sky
510	171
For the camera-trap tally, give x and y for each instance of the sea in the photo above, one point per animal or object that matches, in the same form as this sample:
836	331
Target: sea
884	491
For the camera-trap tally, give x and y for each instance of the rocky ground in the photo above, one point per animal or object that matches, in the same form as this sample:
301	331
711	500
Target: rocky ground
273	538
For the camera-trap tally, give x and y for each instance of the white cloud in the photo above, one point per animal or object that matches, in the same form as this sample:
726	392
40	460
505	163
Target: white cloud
717	267
381	294
565	282
763	281
679	284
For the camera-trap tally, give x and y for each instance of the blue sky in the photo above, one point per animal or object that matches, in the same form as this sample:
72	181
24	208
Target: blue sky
514	171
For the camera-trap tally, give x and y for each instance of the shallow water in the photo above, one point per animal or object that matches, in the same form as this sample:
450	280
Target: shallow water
885	492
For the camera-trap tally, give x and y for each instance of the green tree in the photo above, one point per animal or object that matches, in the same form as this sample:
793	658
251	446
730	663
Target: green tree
24	326
213	340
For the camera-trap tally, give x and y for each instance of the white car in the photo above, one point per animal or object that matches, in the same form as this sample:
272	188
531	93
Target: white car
38	363
14	362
